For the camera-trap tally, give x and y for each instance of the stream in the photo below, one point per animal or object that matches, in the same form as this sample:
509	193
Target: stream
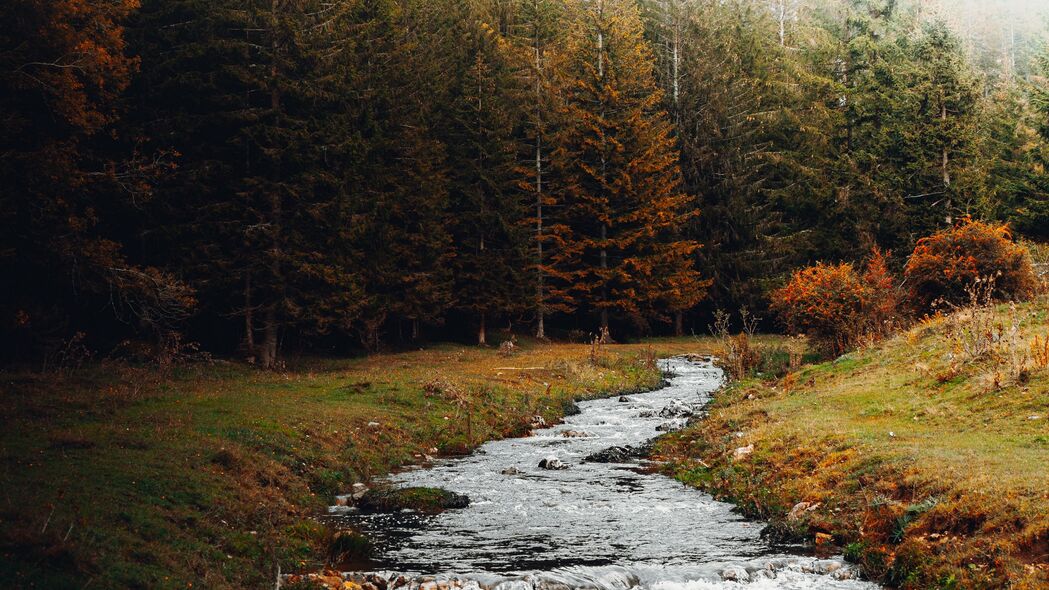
599	526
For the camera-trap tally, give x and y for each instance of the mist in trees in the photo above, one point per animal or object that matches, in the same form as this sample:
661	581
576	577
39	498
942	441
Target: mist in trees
295	175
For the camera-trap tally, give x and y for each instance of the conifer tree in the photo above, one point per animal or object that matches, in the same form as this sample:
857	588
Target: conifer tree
246	94
621	187
487	210
399	184
940	142
535	41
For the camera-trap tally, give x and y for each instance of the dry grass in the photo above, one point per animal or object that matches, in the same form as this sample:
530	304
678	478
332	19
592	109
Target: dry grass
927	453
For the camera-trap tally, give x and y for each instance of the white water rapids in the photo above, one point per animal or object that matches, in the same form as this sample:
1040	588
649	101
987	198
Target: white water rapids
599	526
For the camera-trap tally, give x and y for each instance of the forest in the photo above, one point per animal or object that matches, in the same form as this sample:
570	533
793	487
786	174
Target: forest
524	294
253	179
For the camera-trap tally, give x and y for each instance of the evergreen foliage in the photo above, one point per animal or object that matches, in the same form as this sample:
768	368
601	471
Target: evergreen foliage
273	175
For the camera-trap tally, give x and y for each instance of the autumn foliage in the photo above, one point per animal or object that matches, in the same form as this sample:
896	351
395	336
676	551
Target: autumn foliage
946	265
838	306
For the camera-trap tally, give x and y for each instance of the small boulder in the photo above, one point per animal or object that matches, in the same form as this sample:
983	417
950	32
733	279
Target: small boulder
735	574
420	499
676	409
511	471
575	434
624	399
538	422
570	408
801	508
611	455
742	452
552	463
670	426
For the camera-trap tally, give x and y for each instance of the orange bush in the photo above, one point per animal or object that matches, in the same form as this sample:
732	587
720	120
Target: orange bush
837	306
949	264
881	314
826	302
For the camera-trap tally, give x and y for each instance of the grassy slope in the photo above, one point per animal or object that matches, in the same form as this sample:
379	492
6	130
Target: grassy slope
121	477
926	470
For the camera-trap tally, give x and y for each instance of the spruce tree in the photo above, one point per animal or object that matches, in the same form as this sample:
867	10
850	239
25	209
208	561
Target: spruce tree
535	42
939	143
620	193
248	97
487	209
397	185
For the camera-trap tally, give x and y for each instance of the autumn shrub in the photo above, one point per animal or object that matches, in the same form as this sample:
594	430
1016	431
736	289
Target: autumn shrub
945	266
838	306
881	314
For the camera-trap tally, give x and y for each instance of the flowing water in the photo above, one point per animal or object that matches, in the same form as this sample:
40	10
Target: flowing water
601	526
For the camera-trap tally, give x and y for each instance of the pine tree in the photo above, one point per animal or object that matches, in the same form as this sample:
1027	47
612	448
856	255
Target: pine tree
487	210
535	41
1012	157
750	130
621	194
399	183
257	198
940	142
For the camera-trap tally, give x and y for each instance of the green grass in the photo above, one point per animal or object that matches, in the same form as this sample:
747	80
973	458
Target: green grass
207	476
931	460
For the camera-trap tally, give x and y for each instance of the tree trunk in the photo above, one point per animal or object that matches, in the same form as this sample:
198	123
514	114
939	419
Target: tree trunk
946	171
540	295
604	285
270	321
782	22
482	335
249	319
679	323
268	353
604	228
415	329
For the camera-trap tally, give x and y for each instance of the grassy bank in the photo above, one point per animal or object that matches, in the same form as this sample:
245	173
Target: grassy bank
924	458
206	476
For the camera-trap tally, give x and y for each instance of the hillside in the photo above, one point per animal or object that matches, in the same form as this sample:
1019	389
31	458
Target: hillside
924	458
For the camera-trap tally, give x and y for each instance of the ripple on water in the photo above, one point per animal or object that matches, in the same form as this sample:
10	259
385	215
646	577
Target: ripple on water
592	525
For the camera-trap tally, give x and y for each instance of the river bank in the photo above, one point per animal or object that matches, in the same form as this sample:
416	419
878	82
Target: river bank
209	475
923	463
572	506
